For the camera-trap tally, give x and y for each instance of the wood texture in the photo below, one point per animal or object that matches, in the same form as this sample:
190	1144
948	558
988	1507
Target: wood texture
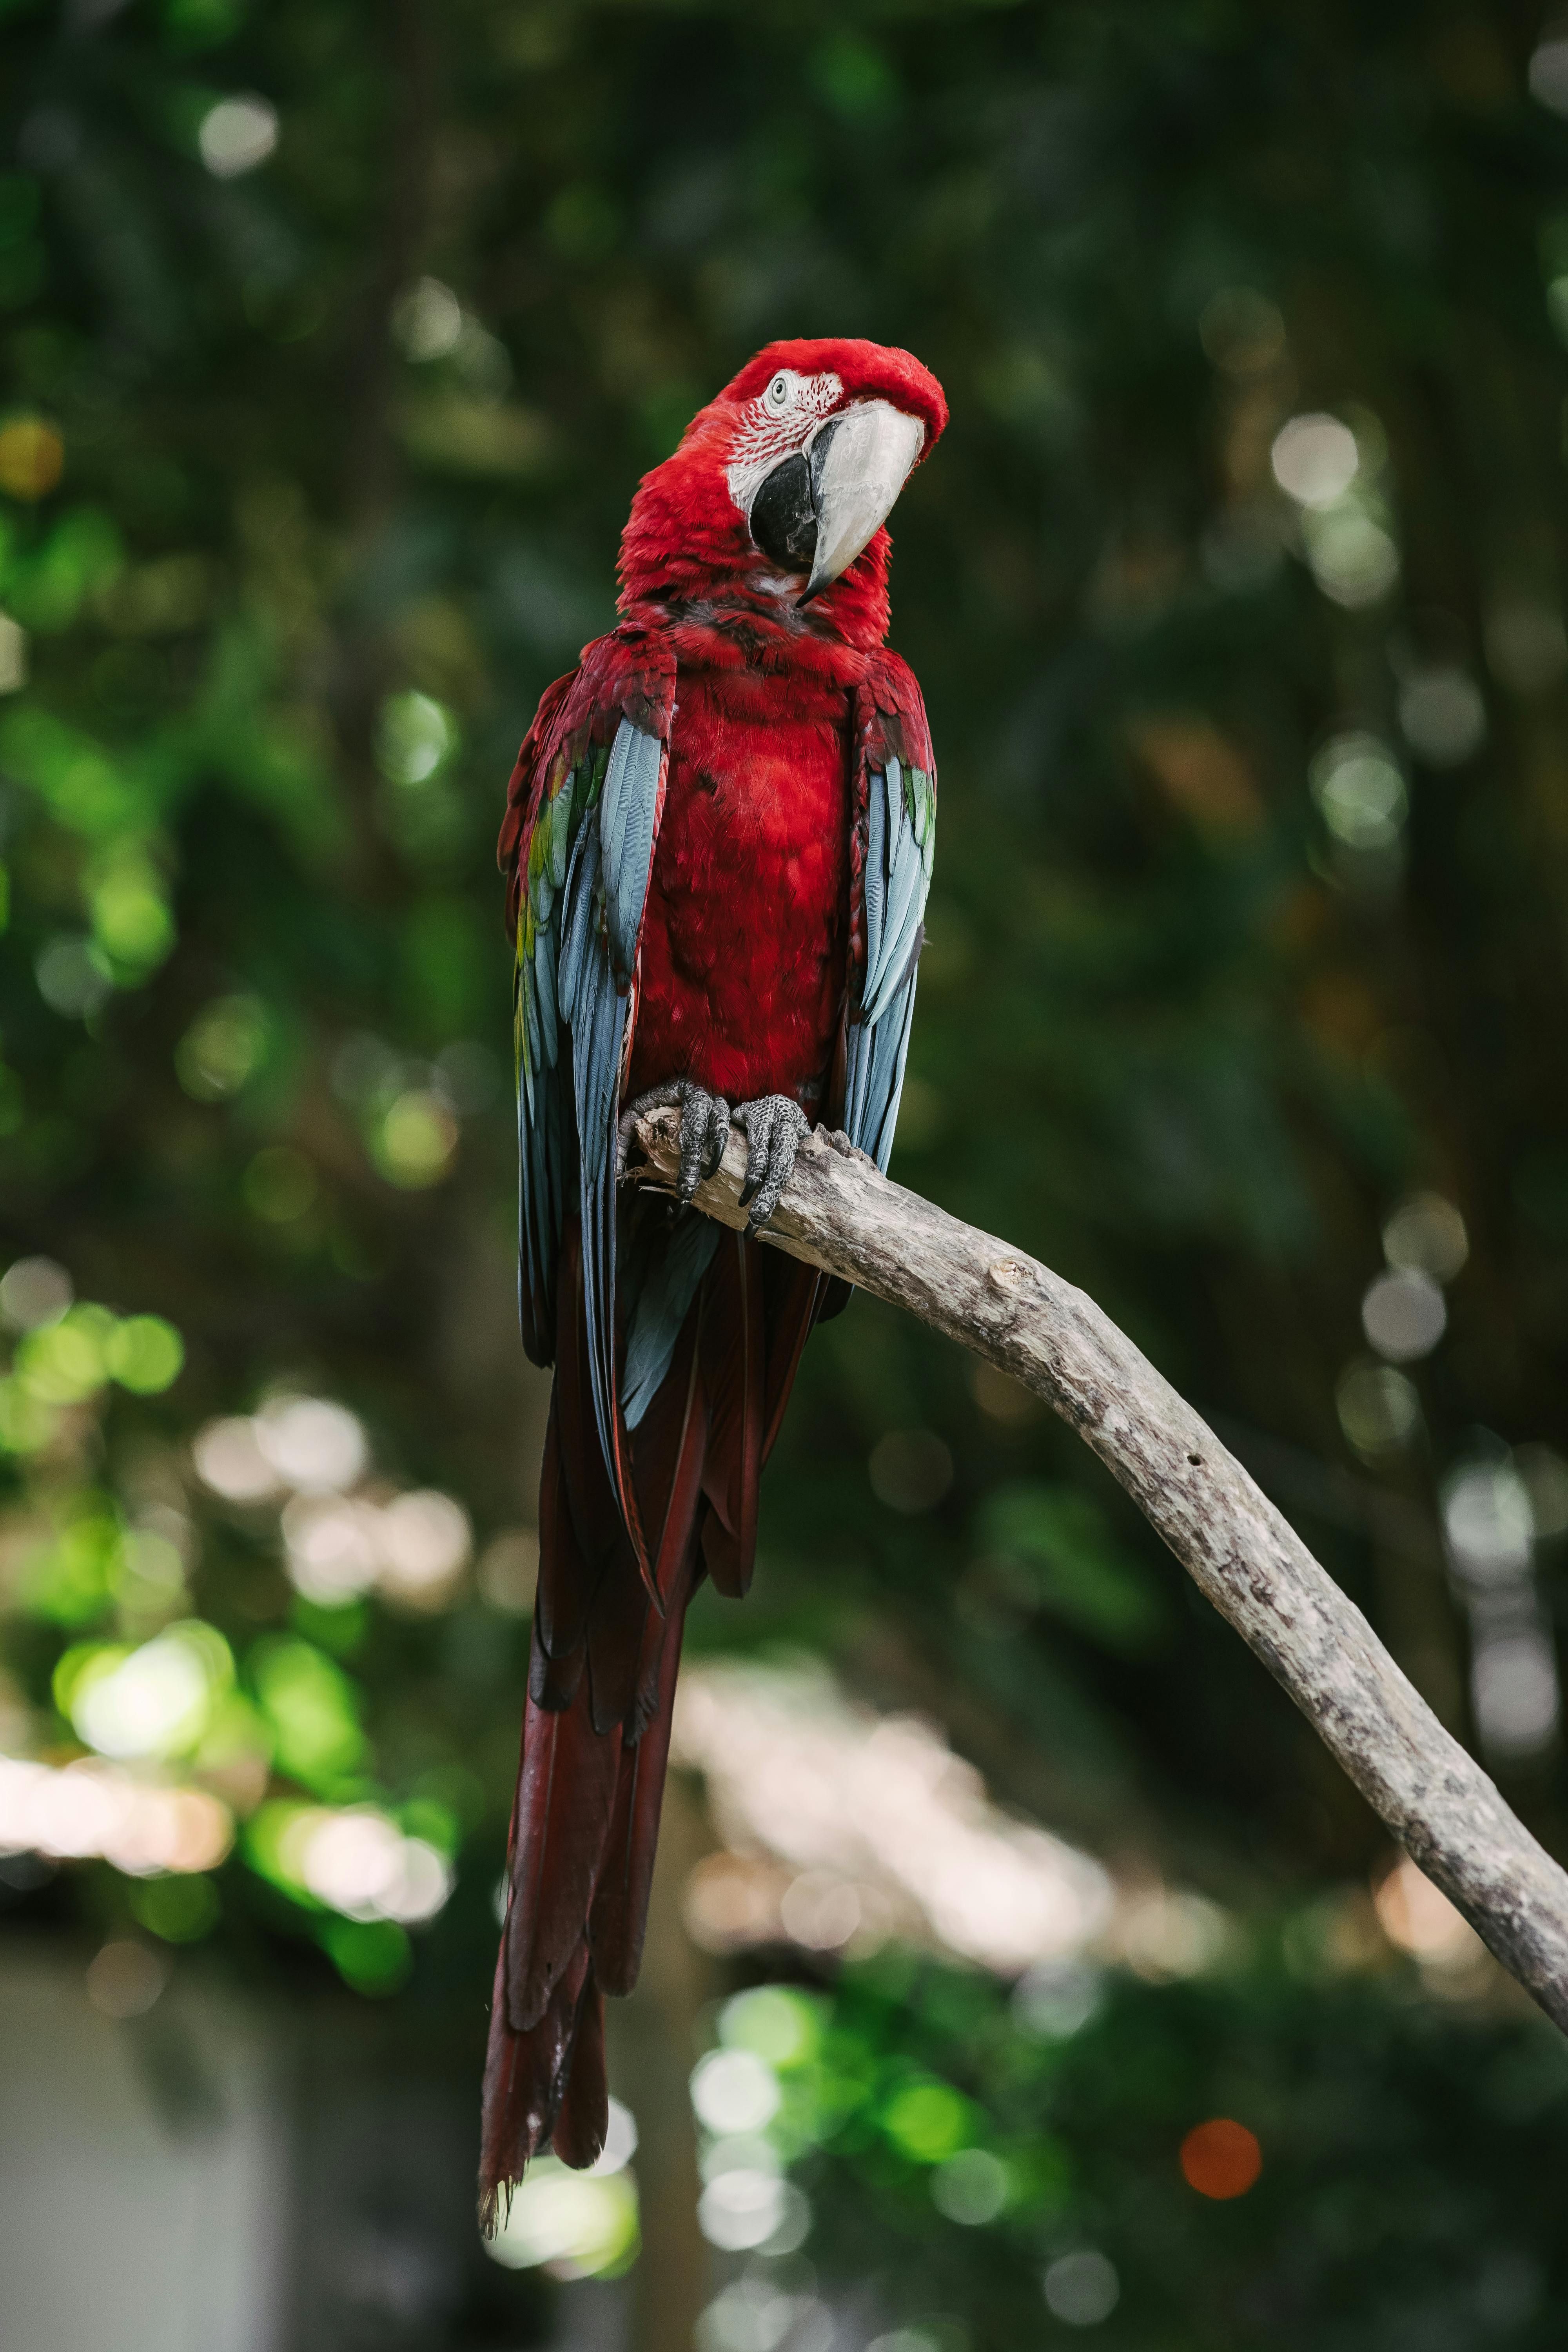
838	1213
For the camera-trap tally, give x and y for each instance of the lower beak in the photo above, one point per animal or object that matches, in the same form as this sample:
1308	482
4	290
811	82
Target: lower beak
860	461
817	510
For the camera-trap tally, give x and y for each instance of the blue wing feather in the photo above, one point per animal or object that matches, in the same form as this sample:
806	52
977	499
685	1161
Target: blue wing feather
544	985
581	889
896	879
905	900
595	1051
615	802
628	850
889	1051
661	1309
578	959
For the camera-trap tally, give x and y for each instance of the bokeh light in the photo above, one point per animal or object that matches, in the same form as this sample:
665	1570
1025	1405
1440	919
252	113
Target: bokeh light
1549	72
144	1354
741	2209
1315	459
1425	1234
331	1545
1355	560
228	1458
32	457
316	1446
733	2091
1403	1315
156	1700
1489	1523
236	134
34	1290
772	2307
1221	2159
14	664
416	737
427	320
1442	715
1359	791
1081	2288
359	1861
74	976
507	1571
417	1140
879	1808
423	1541
1378	1407
1515	1688
125	1978
223	1047
77	1810
970	2187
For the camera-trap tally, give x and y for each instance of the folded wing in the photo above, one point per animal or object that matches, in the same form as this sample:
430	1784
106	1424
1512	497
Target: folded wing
895	843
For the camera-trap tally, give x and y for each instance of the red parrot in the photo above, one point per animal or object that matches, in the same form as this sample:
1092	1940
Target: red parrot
718	840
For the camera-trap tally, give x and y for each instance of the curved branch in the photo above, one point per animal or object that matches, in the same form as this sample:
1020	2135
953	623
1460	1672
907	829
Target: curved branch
839	1214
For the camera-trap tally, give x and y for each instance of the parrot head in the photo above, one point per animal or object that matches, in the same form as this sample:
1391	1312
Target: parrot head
783	484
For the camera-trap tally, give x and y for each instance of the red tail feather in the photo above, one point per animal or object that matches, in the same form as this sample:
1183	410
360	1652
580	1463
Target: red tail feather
596	1732
734	1365
578	2137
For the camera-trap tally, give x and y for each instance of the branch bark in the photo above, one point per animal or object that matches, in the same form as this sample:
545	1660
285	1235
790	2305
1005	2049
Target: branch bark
841	1216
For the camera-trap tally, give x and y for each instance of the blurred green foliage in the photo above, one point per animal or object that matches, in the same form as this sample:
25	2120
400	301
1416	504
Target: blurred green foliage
336	336
958	2149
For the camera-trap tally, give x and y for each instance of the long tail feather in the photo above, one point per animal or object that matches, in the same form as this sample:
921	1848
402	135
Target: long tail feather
601	1682
565	1799
734	1361
525	2081
620	1906
583	2121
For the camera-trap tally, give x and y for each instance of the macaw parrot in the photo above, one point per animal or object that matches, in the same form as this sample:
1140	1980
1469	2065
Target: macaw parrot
718	842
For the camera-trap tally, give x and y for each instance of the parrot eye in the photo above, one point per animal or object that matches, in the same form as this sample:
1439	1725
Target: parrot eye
776	398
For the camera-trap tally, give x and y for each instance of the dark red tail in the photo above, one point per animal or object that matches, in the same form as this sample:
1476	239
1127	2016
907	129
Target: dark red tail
595	1735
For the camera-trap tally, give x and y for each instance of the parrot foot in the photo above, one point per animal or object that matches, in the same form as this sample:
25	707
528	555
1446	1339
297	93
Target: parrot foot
775	1127
704	1131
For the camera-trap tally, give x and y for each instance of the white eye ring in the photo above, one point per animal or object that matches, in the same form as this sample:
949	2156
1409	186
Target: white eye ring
776	398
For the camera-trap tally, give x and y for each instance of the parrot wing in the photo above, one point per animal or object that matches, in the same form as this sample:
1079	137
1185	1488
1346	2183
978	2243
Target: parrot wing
582	816
890	868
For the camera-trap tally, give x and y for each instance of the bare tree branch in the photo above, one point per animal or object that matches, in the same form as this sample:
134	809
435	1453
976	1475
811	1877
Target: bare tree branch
839	1214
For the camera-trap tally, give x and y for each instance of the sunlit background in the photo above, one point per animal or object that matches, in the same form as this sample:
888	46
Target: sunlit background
1020	1971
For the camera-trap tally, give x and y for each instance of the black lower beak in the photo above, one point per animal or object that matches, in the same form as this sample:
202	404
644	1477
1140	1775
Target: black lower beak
784	517
817	511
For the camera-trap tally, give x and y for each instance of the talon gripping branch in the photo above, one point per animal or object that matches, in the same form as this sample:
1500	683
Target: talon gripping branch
718	841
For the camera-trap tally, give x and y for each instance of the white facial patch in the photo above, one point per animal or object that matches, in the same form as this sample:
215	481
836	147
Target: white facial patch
774	427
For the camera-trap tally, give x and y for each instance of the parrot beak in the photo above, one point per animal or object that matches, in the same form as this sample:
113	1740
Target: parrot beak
859	461
817	510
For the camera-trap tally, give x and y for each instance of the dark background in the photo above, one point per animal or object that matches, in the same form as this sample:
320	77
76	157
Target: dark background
1248	929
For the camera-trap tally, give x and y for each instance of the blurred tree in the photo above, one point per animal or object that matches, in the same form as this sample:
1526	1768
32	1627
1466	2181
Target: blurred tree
336	337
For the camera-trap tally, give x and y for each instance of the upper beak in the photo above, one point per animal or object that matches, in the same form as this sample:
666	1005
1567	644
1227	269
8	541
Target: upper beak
859	461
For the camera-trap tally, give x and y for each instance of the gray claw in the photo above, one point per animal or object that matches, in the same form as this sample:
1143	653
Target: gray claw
704	1132
775	1127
